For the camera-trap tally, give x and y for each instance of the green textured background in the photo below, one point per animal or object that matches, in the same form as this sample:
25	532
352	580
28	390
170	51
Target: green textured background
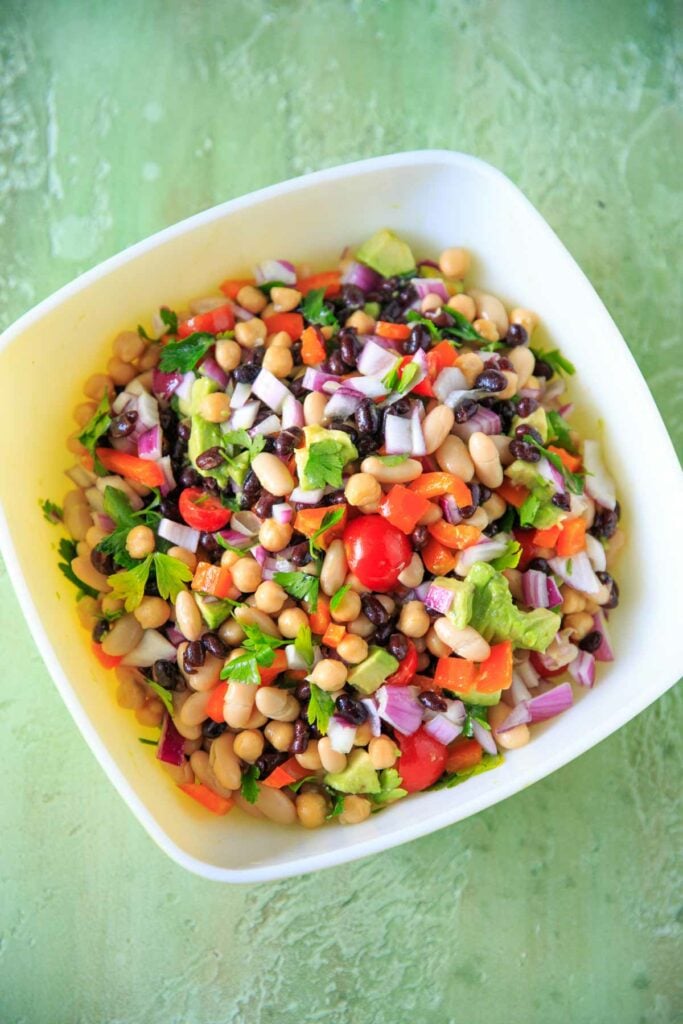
117	118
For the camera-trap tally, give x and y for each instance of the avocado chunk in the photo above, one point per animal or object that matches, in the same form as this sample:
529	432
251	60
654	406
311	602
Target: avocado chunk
205	435
387	254
483	699
524	474
358	777
369	675
536	419
214	611
461	609
314	435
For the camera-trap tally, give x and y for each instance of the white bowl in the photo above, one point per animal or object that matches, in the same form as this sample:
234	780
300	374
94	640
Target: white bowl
434	199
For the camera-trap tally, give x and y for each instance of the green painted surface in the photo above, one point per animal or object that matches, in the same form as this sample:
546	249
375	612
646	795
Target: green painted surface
117	118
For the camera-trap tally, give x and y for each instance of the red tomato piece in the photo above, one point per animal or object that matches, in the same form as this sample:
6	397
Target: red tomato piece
422	761
203	511
213	322
377	552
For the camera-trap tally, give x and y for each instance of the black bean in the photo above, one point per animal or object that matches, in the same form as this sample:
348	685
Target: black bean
561	501
420	338
333	498
346	428
523	429
491	380
442	319
194	656
303	692
211	458
465	410
541	565
353	297
167	674
419	537
604	523
269	761
591	641
300	554
467	511
403	407
492	529
349	347
123	425
251	487
398	646
264	505
366	445
613	601
210	544
334	364
480	493
100	630
212	730
382	633
351	709
516	335
368	417
543	369
288	440
526	406
525	451
300	739
246	373
212	643
101	561
184	430
374	609
189	477
430	699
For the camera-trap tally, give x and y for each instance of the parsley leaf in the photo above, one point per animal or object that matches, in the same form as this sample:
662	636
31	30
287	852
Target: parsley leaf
169	319
337	805
243	669
171	574
316	311
241	439
415	318
325	464
296	786
560	431
149	743
268	286
303	645
222	542
249	787
260	649
143	333
330	519
338	597
475	713
97	425
574	481
164	695
487	762
509	558
67	550
118	507
390	781
507	520
300	585
184	355
53	513
555	360
462	328
320	708
129	586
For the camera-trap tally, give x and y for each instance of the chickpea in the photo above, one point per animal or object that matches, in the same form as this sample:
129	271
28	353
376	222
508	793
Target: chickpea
362	489
580	623
151	713
511	739
413	620
454	263
246	575
361	322
121	373
361	627
248	745
431	303
274	536
74	445
348	608
353	649
329	674
311	809
251	299
413	573
332	760
96	386
215	408
487	329
110	604
470	365
152	612
184	555
279	340
280	734
291	620
363	734
314	408
436	646
140	542
494	507
572	601
464	304
356	809
383	752
94	536
128	346
231	633
228	354
270	597
525	317
250	333
278	360
285	299
310	758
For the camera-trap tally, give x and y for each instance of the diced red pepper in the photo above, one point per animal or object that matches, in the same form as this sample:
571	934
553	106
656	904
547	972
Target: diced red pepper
142	471
455	674
207	798
333	635
232	286
433	485
312	347
397	332
438	560
214	322
215	580
403	508
569	461
291	323
405	672
456	537
108	660
285	774
496	672
572	537
214	708
330	280
309	520
463	754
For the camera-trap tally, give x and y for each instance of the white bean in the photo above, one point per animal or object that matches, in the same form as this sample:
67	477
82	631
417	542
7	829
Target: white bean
273	474
467	642
335	568
486	459
453	457
406	471
436	427
187	616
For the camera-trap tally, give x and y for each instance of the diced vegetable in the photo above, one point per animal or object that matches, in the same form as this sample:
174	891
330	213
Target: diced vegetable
207	798
312	347
432	485
403	508
212	579
141	471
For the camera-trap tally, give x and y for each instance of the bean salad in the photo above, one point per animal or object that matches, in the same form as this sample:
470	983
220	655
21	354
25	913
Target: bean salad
335	534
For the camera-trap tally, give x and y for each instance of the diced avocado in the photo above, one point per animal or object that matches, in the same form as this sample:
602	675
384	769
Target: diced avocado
372	309
358	777
214	611
369	675
386	253
313	435
483	699
202	387
524	474
461	609
536	419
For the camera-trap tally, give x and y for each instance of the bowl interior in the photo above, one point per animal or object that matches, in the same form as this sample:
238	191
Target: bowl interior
434	200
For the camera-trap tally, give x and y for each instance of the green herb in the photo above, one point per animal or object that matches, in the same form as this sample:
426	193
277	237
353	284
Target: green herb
143	333
183	356
97	425
303	645
509	558
53	513
338	597
560	431
325	464
67	550
487	762
574	481
222	542
149	743
570	565
129	586
392	460
296	786
493	346
241	439
269	285
112	616
337	804
300	585
170	319
243	669
529	510
507	520
475	713
391	379
316	311
260	649
164	695
171	574
330	519
408	375
118	507
390	781
415	318
462	327
249	787
320	708
555	360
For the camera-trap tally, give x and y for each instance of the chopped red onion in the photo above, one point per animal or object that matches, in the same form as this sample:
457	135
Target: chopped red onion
545	469
184	389
260	554
551	703
240	395
418	445
369	387
149	444
153	647
442	729
566	410
389	344
270	390
177	534
148	410
343	403
373	716
282	512
341	734
212	370
171	746
455	711
428	263
242	419
599	484
399	706
242	314
421	591
121	402
577	572
520	715
294	660
302	497
554	595
439	599
425	286
233	537
553	390
174	636
292	413
485	420
246	523
275	270
530	393
398	437
605	651
375	361
518	690
361	276
105	523
450	380
166	467
485	551
164	384
270	425
528	674
484	738
582	668
451	512
315	380
596	553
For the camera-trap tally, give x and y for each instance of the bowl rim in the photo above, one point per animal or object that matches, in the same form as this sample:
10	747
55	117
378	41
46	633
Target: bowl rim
303	864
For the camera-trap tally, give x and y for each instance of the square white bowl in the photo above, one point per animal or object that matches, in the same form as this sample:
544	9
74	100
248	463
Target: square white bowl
434	199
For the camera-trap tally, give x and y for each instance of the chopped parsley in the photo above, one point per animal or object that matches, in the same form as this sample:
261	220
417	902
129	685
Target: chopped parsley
171	575
392	460
169	319
462	328
408	374
555	360
222	542
53	513
337	804
183	356
507	520
338	597
303	645
475	713
413	317
260	649
325	464
300	585
509	558
320	708
241	439
67	550
316	311
249	787
560	431
118	507
164	695
330	519
574	481
97	425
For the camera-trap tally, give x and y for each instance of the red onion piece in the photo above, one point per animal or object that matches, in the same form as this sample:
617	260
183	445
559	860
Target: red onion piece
518	691
341	734
418	446
246	523
399	706
439	599
375	360
535	589
184	389
292	413
484	420
153	647
425	286
242	419
599	484
520	715
171	746
577	572
343	403
240	395
282	512
314	380
169	483
551	703
373	716
237	540
270	390
449	380
361	276
270	425
484	738
302	497
451	512
210	368
275	270
582	668
242	314
177	534
605	651
260	554
398	436
528	674
442	729
149	444
546	470
165	384
485	551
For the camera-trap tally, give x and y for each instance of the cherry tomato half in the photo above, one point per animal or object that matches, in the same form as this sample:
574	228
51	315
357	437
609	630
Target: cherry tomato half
203	511
422	761
376	551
